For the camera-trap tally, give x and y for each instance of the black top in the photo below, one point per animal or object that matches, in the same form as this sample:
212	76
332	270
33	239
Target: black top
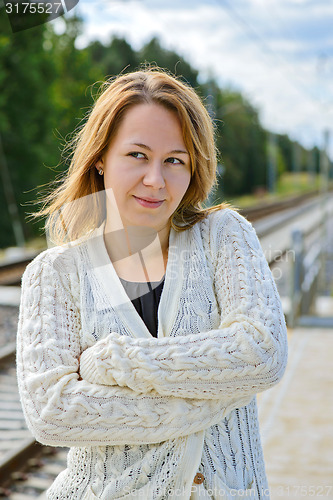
145	297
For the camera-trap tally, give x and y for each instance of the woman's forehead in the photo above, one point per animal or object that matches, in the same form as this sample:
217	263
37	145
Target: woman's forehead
149	124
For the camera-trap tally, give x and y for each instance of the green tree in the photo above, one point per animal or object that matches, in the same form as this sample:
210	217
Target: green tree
72	92
153	52
25	75
241	141
115	58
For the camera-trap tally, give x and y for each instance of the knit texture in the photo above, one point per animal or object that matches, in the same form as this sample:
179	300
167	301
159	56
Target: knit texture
145	414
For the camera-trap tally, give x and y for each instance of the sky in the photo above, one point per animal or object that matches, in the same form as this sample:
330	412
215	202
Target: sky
278	53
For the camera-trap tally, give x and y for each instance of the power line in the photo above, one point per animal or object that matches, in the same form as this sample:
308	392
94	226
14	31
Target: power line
261	42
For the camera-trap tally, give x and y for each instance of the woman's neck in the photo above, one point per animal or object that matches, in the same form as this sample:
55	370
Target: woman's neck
138	253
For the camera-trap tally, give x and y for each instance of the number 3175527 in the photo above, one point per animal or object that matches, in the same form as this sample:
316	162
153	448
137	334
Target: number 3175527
32	8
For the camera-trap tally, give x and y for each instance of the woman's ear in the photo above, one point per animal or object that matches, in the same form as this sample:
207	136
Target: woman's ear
99	166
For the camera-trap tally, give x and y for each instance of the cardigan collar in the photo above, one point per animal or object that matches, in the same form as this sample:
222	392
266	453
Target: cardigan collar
106	275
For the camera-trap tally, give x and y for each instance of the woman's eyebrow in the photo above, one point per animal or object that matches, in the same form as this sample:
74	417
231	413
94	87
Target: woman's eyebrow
174	151
179	151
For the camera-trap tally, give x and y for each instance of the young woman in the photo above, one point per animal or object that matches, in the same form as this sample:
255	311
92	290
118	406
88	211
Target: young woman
146	332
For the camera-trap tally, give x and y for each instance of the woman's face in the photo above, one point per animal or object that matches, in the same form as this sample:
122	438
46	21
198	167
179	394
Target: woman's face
147	167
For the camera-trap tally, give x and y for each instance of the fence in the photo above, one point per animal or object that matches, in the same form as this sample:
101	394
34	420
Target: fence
306	275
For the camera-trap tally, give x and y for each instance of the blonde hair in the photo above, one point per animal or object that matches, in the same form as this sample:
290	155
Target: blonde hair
78	198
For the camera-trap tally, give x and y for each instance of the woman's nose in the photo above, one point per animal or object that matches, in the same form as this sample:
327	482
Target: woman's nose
154	175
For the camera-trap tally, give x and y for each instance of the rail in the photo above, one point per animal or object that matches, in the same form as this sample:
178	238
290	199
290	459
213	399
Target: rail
264	209
21	456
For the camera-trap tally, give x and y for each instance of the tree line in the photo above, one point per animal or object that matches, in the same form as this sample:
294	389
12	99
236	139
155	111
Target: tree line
48	85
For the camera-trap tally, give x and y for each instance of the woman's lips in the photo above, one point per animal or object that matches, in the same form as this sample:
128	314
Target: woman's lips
149	203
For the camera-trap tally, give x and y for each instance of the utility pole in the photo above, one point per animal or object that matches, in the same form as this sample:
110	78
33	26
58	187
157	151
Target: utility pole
311	164
272	162
324	171
10	198
324	164
296	164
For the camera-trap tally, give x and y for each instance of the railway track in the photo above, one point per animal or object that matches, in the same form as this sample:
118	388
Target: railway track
11	272
28	468
264	209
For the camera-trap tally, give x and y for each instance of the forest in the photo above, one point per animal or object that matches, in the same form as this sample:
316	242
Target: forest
47	87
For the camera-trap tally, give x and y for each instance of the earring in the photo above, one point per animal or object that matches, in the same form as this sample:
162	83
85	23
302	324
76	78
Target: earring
100	171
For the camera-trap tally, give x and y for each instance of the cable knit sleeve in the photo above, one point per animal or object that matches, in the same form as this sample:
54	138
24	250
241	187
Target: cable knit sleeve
63	410
245	355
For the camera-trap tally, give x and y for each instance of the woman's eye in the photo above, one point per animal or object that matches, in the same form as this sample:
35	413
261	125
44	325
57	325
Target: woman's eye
138	155
175	161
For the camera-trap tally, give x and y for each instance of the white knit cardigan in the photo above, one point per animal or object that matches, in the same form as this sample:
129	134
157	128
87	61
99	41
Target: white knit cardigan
143	415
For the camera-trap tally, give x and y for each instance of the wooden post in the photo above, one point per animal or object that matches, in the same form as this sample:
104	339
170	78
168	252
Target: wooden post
296	276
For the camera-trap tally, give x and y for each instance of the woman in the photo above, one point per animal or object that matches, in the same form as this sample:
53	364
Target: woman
143	341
